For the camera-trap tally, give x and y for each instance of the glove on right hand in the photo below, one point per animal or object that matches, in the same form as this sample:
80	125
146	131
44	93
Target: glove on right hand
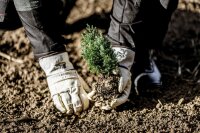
125	58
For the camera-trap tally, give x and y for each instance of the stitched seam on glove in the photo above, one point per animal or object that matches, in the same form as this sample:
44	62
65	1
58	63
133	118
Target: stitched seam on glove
61	76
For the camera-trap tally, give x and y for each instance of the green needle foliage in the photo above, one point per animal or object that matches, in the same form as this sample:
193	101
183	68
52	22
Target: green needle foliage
97	52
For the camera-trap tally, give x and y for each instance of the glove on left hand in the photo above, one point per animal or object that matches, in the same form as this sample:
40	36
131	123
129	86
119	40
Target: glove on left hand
66	86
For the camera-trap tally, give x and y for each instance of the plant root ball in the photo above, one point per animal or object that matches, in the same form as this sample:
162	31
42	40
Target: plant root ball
106	90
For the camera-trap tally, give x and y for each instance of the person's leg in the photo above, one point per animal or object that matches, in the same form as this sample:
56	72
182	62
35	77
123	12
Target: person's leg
141	24
39	27
156	15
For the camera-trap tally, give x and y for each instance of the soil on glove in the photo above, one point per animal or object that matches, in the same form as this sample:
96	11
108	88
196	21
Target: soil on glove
26	105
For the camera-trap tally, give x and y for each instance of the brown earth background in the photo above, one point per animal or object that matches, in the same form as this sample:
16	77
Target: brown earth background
26	106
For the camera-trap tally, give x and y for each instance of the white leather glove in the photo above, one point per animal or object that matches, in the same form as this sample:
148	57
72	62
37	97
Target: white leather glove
125	58
67	88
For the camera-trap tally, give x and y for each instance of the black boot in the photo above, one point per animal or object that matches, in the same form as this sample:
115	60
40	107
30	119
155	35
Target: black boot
145	72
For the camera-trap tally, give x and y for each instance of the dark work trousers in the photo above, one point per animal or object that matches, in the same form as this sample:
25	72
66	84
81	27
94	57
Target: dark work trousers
3	5
140	24
134	23
39	25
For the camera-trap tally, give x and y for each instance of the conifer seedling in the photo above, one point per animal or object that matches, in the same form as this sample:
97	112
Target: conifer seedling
101	60
97	52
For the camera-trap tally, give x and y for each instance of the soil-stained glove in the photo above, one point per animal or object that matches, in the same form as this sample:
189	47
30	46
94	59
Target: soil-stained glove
66	86
125	58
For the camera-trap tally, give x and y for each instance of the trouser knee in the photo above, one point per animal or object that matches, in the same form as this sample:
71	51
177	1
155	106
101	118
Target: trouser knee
137	22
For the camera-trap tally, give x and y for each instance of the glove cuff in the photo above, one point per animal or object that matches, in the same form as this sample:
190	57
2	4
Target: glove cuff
55	64
125	56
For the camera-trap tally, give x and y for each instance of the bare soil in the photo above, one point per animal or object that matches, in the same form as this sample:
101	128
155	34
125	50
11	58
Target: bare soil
26	106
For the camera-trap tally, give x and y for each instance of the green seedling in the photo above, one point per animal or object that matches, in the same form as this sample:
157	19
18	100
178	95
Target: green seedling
97	52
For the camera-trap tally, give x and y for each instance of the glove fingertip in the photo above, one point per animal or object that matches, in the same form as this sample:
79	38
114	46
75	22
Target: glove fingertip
91	94
78	110
58	104
85	101
113	103
120	88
